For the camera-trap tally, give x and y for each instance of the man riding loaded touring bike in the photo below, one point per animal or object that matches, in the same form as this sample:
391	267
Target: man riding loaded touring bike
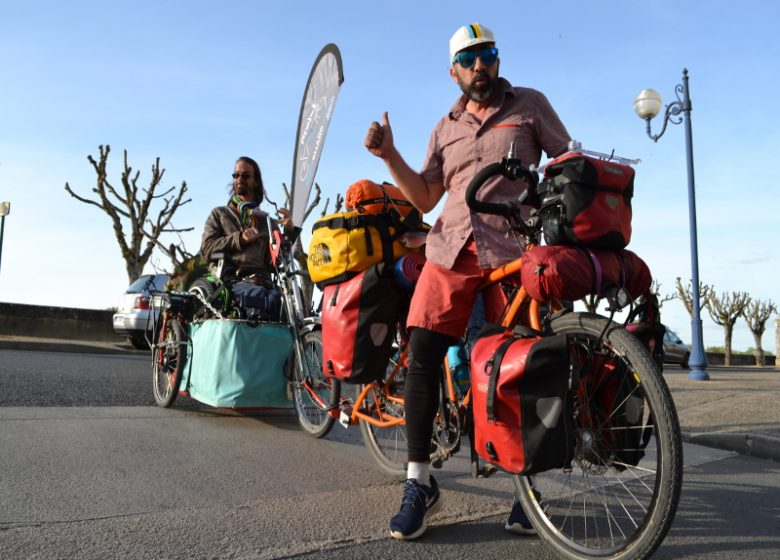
463	246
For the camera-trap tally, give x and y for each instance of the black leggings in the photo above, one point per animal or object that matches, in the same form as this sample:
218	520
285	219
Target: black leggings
421	395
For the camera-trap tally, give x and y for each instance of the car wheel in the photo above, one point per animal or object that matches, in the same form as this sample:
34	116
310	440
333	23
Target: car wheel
138	341
684	362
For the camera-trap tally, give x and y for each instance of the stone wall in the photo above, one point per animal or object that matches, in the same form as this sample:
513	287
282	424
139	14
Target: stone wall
718	359
42	321
57	322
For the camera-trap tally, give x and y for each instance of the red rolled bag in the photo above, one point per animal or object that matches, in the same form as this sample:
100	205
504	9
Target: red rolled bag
571	273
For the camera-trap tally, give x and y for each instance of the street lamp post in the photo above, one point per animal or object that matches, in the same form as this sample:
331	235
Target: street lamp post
647	105
5	209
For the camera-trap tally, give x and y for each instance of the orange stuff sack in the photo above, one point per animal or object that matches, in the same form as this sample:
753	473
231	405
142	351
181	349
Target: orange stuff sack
367	197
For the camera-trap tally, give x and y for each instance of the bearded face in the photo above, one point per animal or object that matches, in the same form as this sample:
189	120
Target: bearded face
479	82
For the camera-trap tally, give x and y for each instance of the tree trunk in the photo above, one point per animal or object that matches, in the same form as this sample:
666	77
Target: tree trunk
727	329
758	352
134	270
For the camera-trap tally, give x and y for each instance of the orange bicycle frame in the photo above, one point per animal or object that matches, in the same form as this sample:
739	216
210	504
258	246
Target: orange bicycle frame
520	308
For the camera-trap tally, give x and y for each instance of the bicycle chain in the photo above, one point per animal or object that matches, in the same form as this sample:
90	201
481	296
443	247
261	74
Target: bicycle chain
210	307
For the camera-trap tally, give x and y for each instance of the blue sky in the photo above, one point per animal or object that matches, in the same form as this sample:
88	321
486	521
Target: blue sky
200	83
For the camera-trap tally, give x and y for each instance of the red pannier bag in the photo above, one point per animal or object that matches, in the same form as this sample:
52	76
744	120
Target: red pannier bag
359	319
571	273
522	402
368	197
617	412
586	201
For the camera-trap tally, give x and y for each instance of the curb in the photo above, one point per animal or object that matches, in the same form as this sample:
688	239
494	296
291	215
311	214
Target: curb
755	445
82	347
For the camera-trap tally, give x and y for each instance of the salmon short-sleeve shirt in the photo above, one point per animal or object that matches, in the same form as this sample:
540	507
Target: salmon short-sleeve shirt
461	145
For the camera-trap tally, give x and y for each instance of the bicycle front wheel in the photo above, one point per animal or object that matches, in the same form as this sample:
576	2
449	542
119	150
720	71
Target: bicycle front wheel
314	395
619	496
168	354
385	435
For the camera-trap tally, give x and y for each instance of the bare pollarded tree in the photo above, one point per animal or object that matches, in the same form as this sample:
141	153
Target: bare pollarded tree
655	287
725	310
685	294
756	314
137	227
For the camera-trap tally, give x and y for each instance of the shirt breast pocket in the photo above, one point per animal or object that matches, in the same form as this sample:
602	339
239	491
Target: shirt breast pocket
501	136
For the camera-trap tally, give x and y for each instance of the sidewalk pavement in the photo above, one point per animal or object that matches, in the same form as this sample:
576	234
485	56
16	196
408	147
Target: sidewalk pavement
737	409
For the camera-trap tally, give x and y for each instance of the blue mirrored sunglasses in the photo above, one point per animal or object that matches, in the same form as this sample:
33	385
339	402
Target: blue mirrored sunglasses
467	59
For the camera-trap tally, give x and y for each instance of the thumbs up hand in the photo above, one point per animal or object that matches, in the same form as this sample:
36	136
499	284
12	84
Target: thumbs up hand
379	139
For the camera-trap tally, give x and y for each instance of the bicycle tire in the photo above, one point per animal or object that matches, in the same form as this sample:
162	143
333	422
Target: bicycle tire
604	506
314	418
386	445
169	354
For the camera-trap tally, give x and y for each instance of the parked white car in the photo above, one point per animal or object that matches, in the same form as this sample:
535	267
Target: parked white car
134	317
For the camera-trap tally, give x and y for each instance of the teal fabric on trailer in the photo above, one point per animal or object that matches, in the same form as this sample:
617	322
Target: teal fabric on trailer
233	364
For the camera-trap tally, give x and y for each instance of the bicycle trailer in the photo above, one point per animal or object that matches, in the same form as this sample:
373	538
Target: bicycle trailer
235	364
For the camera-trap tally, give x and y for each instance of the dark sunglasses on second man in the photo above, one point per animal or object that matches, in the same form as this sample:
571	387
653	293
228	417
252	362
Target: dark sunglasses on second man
467	59
245	175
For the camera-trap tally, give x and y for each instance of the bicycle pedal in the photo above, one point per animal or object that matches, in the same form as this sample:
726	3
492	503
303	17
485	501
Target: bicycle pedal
345	418
437	463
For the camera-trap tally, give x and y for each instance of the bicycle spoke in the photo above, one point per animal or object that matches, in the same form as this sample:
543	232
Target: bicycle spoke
314	396
618	497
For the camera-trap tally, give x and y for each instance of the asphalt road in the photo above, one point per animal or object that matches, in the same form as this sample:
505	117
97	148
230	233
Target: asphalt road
89	468
64	379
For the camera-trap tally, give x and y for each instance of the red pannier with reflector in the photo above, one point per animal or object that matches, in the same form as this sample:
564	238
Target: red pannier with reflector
586	201
359	319
522	400
617	407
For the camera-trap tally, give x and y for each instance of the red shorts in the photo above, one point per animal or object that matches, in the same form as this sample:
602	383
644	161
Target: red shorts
443	298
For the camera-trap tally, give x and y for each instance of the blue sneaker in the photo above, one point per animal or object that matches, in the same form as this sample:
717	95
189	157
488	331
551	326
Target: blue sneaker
419	501
518	522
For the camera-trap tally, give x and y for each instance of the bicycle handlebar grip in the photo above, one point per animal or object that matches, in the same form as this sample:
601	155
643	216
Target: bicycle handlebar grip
502	209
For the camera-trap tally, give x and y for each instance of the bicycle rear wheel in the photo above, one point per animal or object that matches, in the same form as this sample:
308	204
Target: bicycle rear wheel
168	354
314	395
386	444
619	496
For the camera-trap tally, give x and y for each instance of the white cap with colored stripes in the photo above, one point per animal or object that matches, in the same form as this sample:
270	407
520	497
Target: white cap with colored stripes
469	35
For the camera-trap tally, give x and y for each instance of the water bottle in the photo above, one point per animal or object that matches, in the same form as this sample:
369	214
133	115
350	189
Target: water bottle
459	366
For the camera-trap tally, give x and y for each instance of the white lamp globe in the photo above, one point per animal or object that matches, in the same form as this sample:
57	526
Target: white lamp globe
647	103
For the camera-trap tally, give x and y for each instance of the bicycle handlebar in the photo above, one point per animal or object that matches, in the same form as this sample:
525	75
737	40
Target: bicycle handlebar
512	169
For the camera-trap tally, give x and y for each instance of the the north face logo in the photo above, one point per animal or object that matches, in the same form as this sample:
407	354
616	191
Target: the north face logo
319	255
